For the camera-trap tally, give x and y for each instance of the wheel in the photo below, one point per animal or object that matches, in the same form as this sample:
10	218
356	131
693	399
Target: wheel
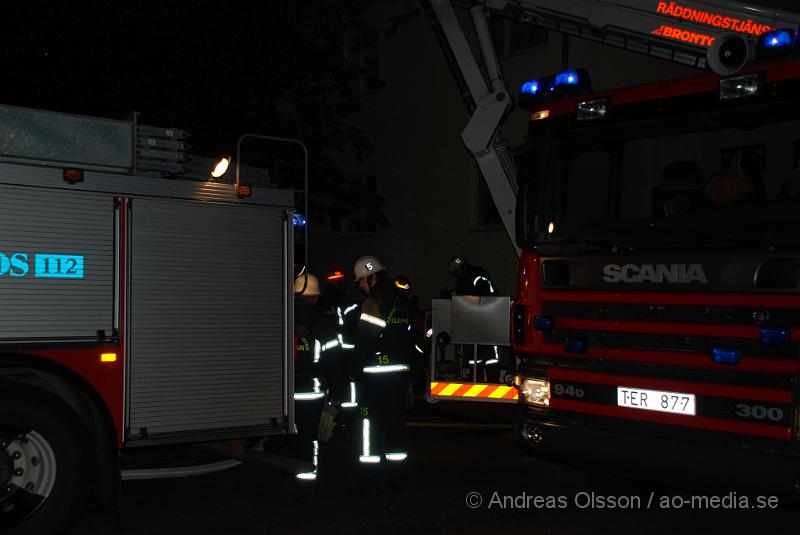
45	475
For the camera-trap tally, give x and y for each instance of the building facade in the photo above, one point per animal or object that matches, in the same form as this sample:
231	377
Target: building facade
436	203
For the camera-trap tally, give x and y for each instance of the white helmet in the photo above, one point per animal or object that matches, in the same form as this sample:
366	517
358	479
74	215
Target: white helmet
312	287
366	266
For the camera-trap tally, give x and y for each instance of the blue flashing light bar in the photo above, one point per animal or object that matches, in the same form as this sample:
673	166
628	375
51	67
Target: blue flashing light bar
774	335
543	323
574	345
721	355
299	220
567	78
777	39
531	87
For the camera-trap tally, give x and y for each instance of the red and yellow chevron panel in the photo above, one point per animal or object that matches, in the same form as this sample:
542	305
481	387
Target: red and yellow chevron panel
474	391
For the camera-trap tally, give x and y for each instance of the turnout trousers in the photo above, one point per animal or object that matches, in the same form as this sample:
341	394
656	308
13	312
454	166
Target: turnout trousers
383	414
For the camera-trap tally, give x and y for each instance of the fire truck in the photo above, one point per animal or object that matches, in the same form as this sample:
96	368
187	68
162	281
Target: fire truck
136	309
656	316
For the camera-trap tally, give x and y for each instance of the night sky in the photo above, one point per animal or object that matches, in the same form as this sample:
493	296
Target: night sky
217	69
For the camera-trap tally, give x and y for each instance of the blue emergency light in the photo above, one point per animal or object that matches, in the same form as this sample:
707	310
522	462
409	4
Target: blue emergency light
776	39
299	221
774	335
531	87
720	355
543	323
568	78
572	82
534	93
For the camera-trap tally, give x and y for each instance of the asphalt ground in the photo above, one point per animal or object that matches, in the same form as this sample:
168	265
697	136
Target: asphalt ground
463	476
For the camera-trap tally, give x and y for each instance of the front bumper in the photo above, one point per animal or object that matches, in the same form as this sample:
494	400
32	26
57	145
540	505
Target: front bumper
683	459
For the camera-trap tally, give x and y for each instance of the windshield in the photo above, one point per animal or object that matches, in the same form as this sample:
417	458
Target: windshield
713	186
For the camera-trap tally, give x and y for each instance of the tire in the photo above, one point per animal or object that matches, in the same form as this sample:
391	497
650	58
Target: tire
42	437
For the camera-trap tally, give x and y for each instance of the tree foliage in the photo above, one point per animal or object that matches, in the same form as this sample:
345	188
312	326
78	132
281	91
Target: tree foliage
294	68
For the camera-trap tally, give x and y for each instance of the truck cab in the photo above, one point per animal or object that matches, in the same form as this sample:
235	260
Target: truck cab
657	307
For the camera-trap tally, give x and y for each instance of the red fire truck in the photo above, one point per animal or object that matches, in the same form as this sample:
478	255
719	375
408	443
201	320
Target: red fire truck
135	310
657	308
657	305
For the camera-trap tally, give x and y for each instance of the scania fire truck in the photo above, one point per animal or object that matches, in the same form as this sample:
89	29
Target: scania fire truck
657	307
136	309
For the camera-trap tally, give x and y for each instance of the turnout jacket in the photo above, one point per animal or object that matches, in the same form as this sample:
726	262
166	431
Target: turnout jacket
382	335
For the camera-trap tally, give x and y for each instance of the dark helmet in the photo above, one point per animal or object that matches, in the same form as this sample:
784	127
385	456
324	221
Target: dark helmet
456	266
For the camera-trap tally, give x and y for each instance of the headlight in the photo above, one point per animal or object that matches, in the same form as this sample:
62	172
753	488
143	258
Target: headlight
534	391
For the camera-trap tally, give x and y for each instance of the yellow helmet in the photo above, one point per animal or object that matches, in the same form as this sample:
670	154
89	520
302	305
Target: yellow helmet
311	287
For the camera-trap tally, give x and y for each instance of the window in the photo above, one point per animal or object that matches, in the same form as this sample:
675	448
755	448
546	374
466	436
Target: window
363	65
587	185
510	36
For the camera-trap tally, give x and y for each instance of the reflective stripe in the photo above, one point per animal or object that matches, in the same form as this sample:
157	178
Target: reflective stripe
386	369
306	396
418	349
491	361
400	456
339	313
330	345
317	385
317	350
353	402
479	278
471	362
365	454
369	459
310	476
373	320
342	344
349	309
474	391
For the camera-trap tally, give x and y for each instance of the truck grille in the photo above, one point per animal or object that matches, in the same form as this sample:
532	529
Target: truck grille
668	348
722	315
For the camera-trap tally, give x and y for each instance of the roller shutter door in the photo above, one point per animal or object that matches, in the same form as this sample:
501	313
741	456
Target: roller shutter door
56	264
207	317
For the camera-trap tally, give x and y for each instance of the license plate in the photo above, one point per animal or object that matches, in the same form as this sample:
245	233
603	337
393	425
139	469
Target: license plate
656	400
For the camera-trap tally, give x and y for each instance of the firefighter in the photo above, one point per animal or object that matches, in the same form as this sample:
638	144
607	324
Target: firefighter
382	346
470	279
342	310
416	335
315	337
474	280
